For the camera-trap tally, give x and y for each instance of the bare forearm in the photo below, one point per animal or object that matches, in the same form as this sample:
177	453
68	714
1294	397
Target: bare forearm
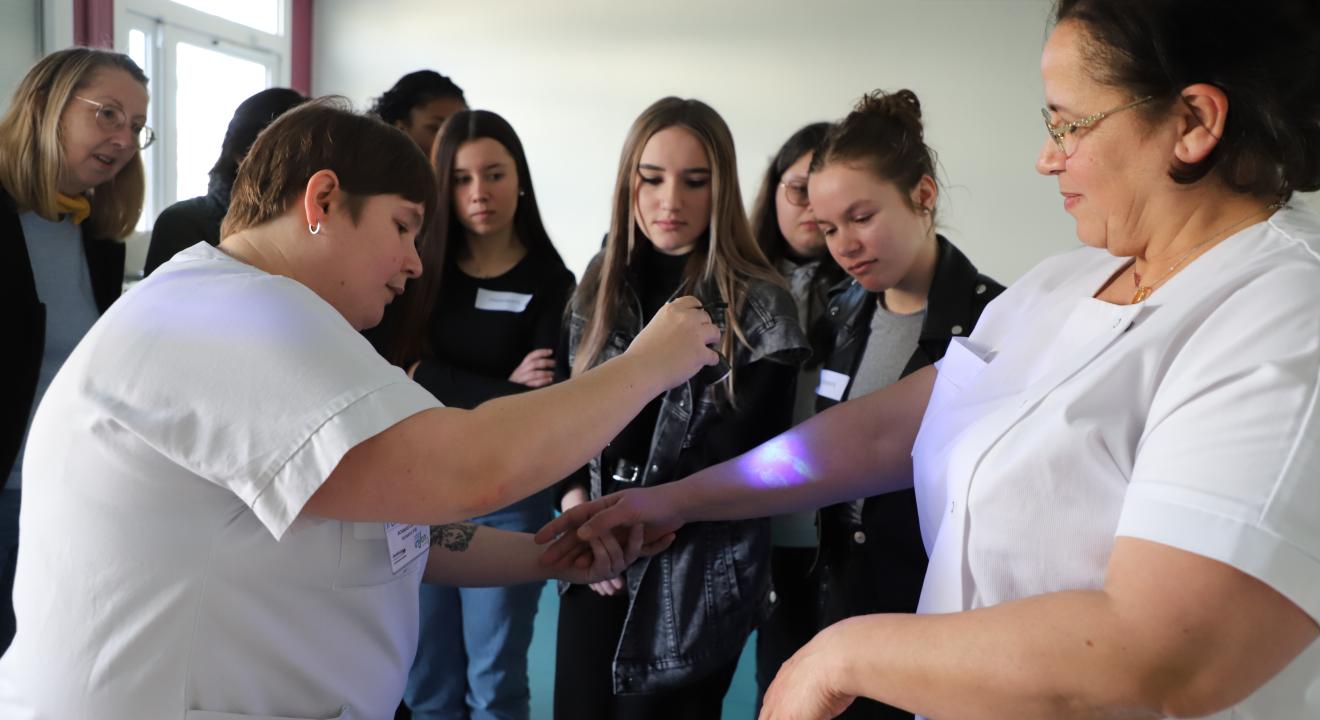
1063	655
528	441
856	449
468	555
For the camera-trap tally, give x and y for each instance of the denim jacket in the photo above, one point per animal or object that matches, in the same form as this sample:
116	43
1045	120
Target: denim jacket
692	607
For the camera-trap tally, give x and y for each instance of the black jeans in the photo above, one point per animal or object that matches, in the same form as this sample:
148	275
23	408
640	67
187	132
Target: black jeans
589	630
794	620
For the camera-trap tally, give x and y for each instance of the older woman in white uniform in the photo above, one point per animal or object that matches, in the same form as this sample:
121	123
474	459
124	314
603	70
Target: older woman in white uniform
1118	472
217	476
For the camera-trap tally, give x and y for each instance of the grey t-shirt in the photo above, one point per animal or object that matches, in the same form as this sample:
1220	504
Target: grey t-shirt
889	348
65	286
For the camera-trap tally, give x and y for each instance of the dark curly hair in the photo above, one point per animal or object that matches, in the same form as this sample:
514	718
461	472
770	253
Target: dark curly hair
1265	56
414	89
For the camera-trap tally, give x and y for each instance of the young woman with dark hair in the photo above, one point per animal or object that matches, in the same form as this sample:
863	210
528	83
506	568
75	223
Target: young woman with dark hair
486	327
910	292
419	103
786	231
663	641
188	222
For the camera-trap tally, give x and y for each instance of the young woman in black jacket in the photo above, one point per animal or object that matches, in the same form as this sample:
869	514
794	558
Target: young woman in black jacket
188	222
785	228
910	291
663	641
482	322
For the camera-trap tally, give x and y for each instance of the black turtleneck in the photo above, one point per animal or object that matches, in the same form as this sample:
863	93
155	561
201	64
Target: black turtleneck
656	278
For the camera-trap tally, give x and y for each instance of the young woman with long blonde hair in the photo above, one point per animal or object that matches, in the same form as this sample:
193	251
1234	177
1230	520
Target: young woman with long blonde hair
663	641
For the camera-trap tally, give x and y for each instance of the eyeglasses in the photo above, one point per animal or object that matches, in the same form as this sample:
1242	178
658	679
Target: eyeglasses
795	193
1065	134
112	119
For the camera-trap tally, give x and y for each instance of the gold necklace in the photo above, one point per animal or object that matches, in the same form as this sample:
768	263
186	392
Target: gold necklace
1144	291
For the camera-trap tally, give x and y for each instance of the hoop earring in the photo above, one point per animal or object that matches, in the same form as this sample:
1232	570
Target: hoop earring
314	229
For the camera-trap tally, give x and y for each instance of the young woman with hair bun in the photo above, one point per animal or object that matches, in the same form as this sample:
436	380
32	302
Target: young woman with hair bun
910	291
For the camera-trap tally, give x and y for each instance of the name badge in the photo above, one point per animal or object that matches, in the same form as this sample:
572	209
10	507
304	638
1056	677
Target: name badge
406	543
832	385
502	301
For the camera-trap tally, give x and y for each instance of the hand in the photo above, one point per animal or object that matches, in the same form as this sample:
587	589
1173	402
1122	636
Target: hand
536	370
806	687
675	344
609	559
573	497
585	521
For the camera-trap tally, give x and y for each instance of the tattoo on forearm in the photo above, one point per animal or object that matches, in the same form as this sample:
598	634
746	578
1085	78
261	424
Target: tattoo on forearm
454	536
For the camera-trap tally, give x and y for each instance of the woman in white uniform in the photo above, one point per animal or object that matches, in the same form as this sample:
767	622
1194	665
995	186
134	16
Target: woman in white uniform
214	477
1117	471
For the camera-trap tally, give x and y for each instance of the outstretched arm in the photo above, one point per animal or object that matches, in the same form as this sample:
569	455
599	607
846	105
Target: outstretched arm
469	555
445	465
855	449
1171	634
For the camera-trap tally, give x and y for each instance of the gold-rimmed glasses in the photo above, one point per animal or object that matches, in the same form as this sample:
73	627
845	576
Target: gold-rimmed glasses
1065	135
112	118
795	193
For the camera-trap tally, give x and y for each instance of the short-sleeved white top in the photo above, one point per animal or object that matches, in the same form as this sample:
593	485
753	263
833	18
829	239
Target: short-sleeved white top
164	571
1188	420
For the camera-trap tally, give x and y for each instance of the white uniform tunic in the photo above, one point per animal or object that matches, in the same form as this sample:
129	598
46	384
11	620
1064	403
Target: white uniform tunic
163	570
1188	420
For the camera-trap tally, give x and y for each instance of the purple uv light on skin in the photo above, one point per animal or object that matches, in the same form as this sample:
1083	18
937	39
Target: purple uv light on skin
779	463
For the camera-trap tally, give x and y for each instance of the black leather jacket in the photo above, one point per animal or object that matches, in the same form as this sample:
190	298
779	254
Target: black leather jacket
18	293
871	554
692	607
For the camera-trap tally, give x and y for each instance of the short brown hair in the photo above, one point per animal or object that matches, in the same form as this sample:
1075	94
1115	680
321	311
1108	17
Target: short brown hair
368	156
1264	56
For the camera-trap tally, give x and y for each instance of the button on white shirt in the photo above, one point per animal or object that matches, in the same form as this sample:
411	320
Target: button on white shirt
1187	420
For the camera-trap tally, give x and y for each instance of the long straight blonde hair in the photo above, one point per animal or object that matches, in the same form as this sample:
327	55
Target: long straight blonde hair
730	259
32	154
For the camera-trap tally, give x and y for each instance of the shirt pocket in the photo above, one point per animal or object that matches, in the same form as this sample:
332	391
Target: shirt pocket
211	715
962	364
364	556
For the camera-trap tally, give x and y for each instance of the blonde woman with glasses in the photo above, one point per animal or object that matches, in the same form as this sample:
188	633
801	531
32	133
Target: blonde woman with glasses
71	187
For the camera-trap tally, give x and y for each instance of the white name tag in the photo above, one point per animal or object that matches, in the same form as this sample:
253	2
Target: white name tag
832	385
502	301
406	543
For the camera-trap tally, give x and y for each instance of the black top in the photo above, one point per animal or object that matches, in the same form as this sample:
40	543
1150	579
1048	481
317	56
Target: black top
657	277
480	331
764	409
186	223
18	294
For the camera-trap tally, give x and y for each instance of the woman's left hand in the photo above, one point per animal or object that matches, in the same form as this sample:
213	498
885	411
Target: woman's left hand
806	687
608	557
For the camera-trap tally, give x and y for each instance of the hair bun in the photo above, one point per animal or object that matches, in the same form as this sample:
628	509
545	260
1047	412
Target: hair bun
885	110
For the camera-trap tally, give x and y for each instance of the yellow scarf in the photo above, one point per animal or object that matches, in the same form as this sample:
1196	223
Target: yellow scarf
77	205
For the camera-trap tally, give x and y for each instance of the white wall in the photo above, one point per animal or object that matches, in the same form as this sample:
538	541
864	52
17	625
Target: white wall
571	75
20	43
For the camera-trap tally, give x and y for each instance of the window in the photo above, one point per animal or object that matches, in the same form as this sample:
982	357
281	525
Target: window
203	58
264	15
